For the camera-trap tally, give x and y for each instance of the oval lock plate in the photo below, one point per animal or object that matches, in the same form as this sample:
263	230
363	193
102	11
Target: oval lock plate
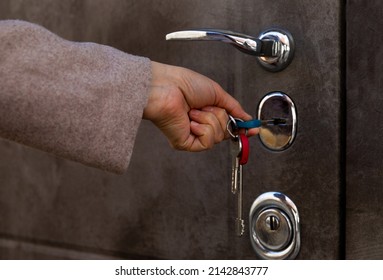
280	134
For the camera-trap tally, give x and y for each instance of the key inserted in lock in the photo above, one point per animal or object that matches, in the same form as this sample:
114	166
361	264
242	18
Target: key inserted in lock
259	123
280	131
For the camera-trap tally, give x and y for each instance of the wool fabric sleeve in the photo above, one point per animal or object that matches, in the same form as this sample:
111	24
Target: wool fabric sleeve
79	101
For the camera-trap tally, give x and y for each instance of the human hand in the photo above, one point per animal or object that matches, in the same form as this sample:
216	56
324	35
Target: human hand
189	108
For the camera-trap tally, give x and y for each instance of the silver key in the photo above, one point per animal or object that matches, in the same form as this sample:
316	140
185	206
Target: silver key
236	174
236	149
239	221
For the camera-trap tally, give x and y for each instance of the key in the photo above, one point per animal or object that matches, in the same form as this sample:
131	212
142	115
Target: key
240	153
239	221
260	123
236	149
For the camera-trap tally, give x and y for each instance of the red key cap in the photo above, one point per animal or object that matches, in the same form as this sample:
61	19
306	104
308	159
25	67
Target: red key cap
245	149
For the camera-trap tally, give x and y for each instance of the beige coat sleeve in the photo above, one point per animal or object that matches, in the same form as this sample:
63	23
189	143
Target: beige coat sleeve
80	101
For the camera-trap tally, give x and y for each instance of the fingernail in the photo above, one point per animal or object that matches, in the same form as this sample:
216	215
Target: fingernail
208	109
194	112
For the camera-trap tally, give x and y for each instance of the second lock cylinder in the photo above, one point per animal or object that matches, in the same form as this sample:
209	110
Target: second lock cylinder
274	227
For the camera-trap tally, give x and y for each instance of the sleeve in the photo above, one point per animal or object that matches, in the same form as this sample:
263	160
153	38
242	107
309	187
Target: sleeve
79	101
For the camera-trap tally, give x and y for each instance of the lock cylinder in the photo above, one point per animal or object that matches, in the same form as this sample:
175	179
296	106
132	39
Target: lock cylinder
274	227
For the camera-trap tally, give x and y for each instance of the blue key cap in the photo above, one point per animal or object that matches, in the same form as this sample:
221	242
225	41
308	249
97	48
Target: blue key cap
249	124
258	123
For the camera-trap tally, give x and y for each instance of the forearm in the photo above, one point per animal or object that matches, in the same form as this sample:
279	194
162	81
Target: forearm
81	101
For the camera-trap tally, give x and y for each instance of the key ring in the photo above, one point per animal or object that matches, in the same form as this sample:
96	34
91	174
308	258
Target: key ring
232	122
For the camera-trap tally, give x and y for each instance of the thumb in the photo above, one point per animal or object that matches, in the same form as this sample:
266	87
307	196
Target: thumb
230	104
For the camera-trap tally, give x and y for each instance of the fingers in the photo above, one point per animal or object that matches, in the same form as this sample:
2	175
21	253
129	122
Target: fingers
252	132
200	91
213	121
202	137
190	109
229	103
221	116
209	127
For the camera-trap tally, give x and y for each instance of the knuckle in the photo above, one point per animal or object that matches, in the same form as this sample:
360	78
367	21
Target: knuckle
179	146
219	136
208	145
222	137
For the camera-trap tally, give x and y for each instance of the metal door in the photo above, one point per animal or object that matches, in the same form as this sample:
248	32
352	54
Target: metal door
176	205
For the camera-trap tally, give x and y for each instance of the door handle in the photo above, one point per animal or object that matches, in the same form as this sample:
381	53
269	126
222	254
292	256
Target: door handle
274	48
244	43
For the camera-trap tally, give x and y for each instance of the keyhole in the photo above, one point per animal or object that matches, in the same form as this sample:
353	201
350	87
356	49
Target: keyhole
272	222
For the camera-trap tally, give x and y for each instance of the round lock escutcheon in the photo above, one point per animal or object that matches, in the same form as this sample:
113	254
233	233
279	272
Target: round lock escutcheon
284	48
274	227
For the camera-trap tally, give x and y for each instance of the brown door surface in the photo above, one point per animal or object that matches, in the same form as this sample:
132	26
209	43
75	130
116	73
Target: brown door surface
177	205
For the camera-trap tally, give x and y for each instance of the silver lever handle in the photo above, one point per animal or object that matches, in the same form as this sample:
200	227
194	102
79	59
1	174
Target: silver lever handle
274	47
244	43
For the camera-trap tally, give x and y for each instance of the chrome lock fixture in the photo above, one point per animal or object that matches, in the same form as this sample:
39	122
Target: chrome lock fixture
274	227
274	47
277	136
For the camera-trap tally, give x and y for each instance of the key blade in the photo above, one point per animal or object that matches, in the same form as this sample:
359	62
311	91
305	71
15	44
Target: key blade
239	222
275	121
236	149
234	176
239	226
